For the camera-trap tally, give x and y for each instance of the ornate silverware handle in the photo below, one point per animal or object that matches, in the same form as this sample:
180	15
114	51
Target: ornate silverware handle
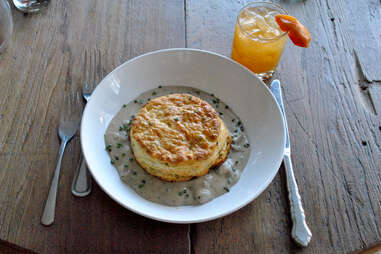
300	231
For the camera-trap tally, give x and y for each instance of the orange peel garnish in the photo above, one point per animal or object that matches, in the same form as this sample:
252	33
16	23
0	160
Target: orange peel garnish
298	33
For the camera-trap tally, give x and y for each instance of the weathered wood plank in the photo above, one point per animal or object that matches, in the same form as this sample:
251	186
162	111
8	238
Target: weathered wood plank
335	134
43	61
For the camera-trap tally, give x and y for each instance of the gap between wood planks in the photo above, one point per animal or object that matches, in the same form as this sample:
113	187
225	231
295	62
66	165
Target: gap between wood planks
8	248
369	90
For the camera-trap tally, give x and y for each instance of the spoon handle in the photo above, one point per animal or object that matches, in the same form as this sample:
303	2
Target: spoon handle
81	185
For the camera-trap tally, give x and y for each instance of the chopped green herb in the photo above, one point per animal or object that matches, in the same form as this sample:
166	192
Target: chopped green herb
212	95
148	99
187	195
116	158
160	86
126	165
184	191
132	116
112	162
143	181
120	128
214	101
180	193
236	162
124	105
218	100
236	130
197	92
123	154
233	120
134	173
131	159
135	101
234	169
242	129
153	93
246	145
227	189
198	197
119	145
239	123
141	186
226	106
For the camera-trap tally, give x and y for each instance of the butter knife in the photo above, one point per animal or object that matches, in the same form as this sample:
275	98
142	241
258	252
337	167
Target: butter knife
300	231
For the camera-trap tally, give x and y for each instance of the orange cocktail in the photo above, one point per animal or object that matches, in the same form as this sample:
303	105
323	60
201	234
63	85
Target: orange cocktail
258	41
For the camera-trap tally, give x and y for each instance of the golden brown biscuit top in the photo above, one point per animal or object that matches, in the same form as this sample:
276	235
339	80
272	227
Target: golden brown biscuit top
177	128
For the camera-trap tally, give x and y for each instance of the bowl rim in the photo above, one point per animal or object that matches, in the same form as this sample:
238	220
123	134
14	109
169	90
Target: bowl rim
158	218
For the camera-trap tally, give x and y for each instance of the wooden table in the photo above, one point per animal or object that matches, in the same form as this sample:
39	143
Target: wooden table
332	93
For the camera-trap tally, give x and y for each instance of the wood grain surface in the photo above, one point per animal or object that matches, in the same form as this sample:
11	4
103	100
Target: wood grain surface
44	61
332	93
332	97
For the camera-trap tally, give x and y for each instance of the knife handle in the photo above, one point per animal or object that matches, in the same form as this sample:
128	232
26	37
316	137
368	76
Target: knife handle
300	231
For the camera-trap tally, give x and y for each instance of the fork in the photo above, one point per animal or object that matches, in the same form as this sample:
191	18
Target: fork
81	185
69	122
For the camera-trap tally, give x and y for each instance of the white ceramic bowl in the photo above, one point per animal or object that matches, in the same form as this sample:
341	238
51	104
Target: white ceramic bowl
228	80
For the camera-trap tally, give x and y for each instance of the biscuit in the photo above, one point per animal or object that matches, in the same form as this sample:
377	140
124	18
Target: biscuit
178	137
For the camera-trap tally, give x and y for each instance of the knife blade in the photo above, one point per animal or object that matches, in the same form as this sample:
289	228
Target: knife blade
300	231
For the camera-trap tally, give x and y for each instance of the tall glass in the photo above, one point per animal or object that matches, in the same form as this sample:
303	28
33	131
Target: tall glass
258	41
6	24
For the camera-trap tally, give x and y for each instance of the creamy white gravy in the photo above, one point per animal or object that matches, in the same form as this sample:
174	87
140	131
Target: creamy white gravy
194	192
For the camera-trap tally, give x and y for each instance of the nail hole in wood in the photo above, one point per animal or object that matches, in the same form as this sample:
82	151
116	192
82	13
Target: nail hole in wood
364	143
332	19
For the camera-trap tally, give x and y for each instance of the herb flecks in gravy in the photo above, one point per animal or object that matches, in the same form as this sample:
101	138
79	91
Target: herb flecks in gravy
194	192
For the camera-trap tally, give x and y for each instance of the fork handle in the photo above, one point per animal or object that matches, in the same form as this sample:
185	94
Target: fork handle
47	218
81	185
300	231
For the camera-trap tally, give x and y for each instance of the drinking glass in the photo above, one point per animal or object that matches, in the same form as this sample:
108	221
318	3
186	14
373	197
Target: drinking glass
258	41
30	5
6	24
